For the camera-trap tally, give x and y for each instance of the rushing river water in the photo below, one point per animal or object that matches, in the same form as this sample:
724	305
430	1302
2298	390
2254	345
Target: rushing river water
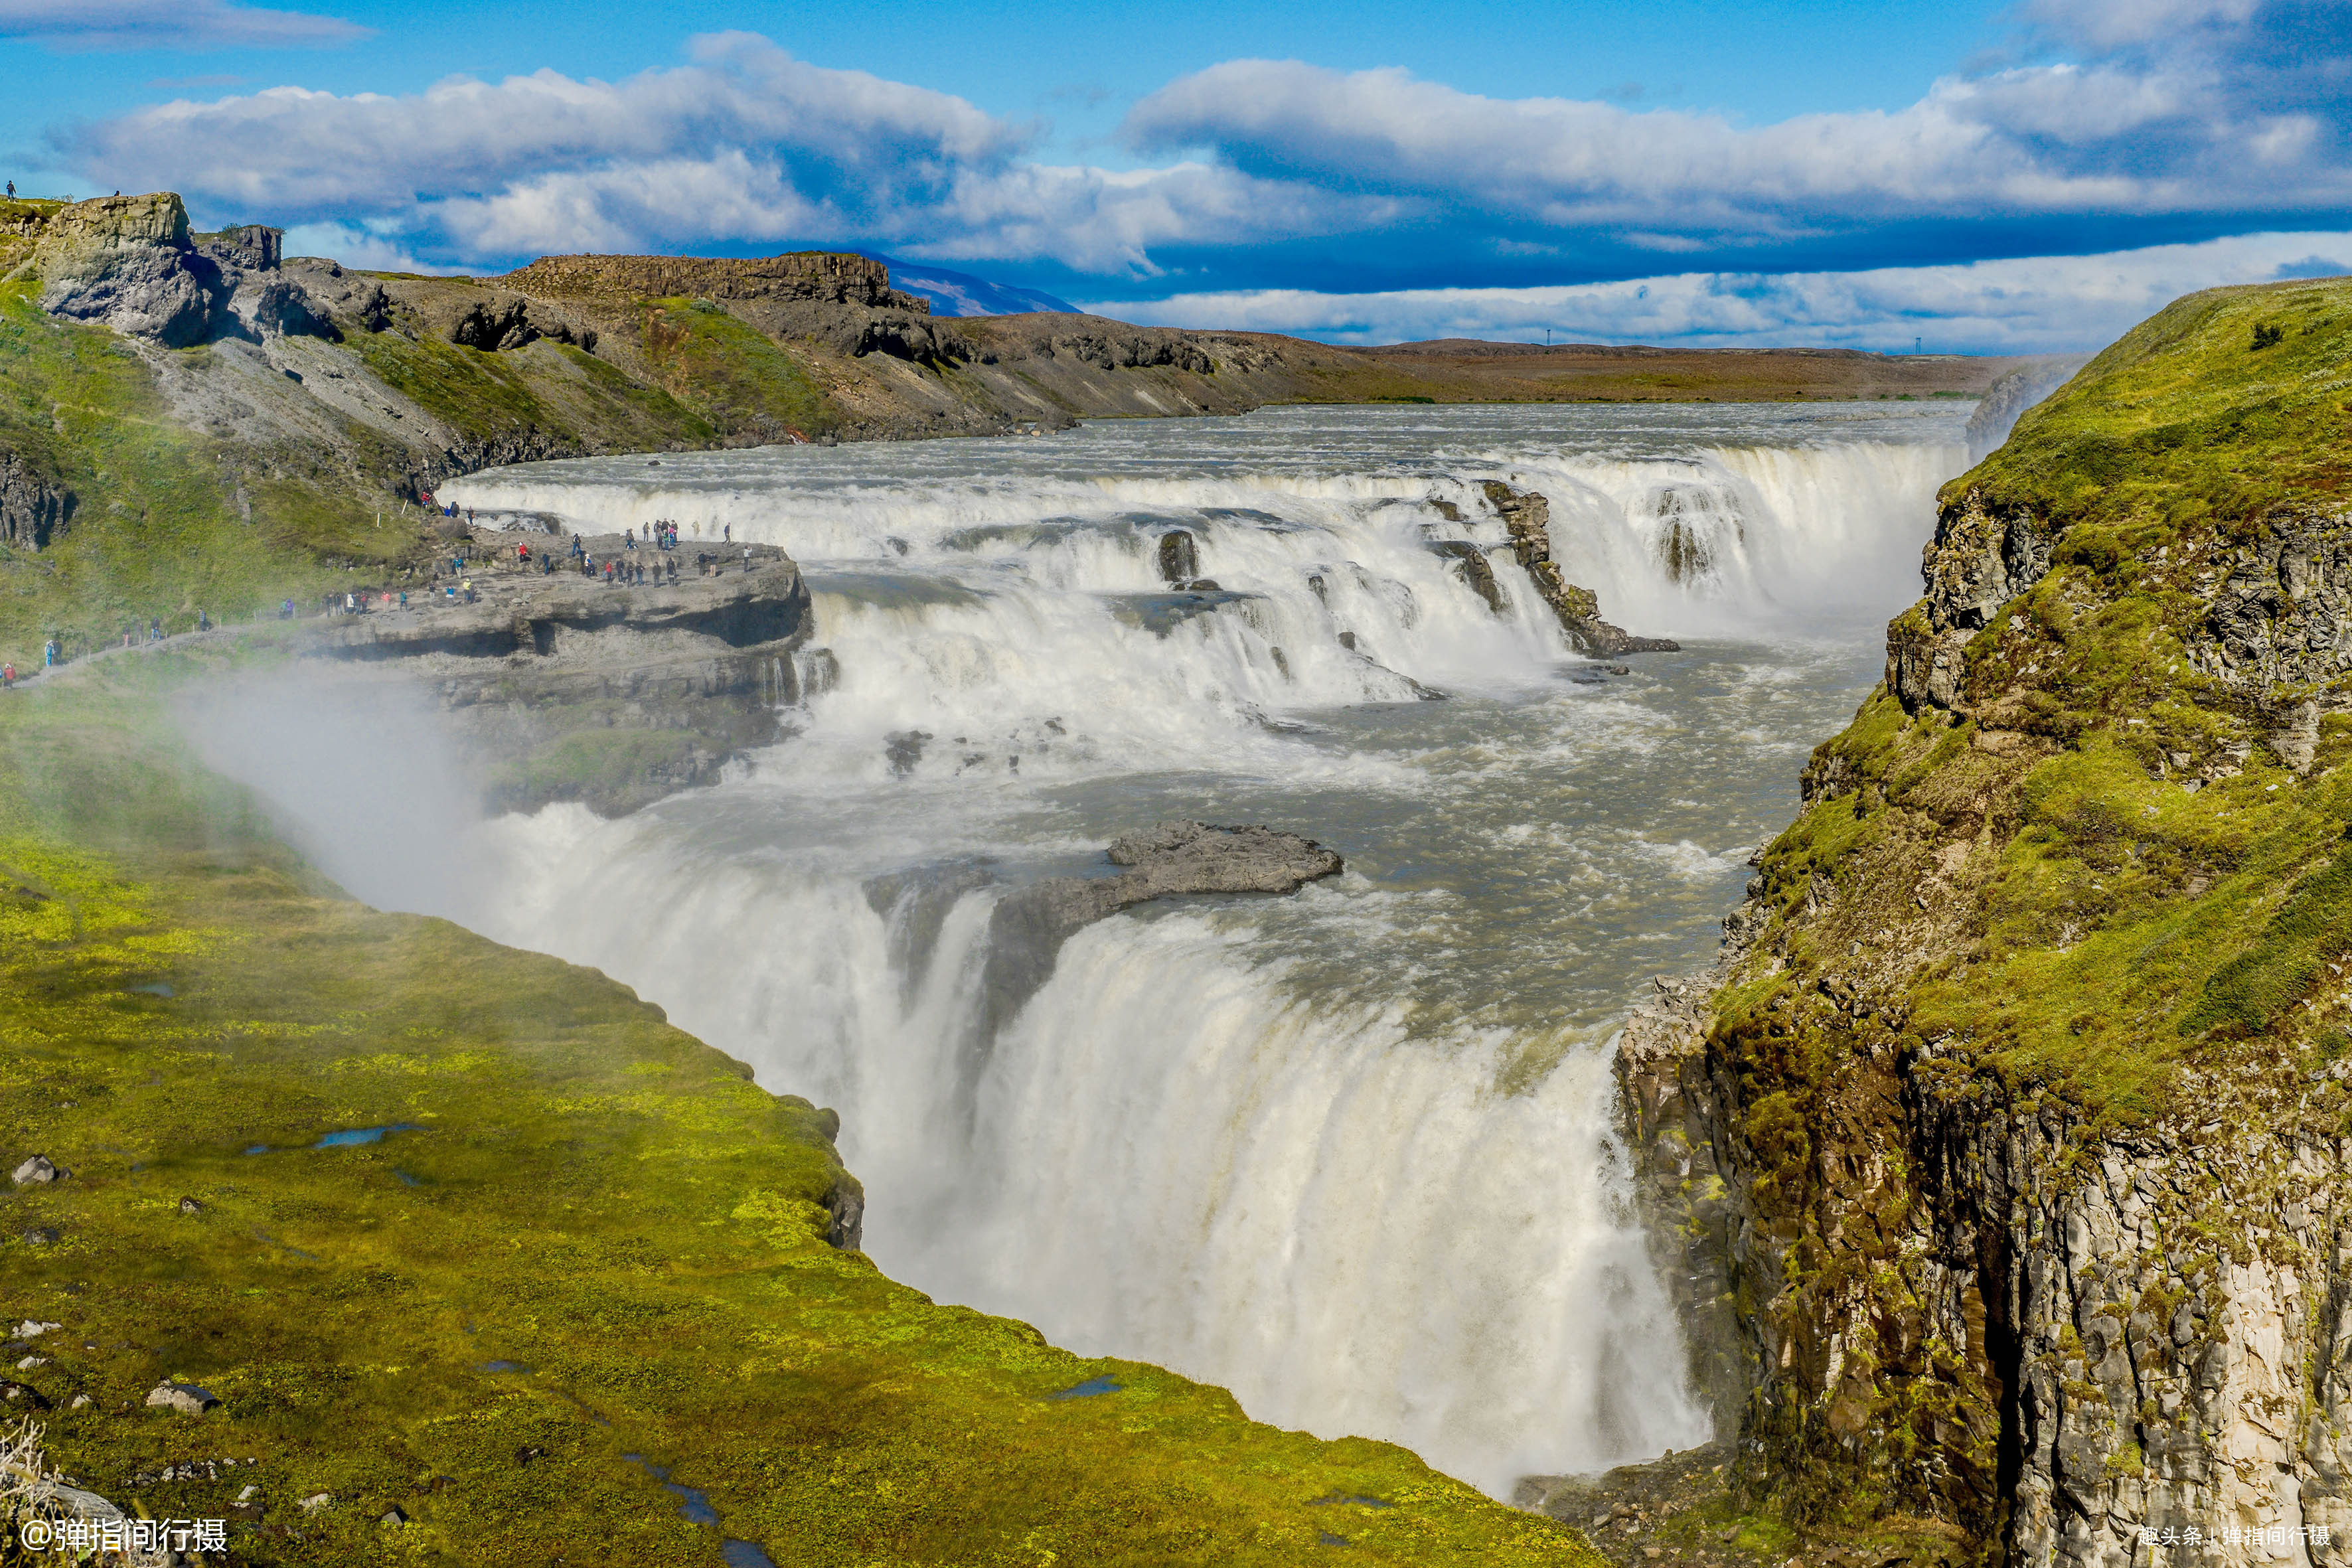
1352	1153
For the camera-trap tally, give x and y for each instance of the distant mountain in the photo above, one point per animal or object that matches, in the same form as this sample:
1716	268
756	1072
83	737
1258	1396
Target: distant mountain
962	294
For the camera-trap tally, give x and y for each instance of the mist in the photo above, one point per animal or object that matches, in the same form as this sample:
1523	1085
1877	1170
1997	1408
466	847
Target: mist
360	773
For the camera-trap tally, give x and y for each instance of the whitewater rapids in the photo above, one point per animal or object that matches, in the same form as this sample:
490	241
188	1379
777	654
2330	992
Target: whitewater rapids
1352	1154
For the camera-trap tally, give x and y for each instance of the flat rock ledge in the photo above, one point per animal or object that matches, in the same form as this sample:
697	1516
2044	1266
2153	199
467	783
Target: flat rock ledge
1029	926
1175	857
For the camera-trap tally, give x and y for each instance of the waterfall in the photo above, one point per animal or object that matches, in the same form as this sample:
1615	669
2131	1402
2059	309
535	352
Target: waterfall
1350	1153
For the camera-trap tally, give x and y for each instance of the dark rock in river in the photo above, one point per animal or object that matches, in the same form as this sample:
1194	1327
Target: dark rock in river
1179	557
1527	514
1029	926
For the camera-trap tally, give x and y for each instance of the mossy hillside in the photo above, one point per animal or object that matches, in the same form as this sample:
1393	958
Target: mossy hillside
546	397
157	533
580	1194
732	372
2093	892
2105	885
2184	425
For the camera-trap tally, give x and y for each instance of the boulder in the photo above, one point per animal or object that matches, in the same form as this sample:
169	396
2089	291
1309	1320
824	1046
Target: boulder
36	1170
186	1398
126	262
500	322
279	308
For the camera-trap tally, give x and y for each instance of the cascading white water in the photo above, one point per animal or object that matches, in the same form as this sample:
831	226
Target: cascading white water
1350	1153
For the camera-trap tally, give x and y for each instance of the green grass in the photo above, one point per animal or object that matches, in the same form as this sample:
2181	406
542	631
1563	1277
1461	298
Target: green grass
157	533
549	389
733	374
583	1190
2182	422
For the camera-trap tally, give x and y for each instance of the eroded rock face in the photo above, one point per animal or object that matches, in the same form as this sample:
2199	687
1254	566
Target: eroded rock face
129	263
32	512
126	262
1979	560
1528	516
2284	615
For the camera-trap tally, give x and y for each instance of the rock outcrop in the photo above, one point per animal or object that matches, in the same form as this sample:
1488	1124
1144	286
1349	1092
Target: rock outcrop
566	688
33	511
1172	858
1528	516
129	263
820	276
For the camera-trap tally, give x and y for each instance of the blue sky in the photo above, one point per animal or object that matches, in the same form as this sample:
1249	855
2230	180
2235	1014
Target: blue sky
2033	175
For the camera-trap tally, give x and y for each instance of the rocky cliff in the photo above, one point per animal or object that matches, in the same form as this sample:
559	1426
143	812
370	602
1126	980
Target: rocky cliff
2002	1163
565	687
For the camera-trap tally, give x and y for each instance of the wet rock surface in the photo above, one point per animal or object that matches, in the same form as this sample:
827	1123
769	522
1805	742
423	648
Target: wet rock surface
1171	858
1527	514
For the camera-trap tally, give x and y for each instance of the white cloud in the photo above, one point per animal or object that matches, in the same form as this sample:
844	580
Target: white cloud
190	25
356	247
2025	305
745	144
1368	177
2007	144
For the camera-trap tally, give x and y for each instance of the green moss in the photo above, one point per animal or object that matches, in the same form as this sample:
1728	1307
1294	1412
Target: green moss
596	764
732	374
156	534
2182	417
591	1236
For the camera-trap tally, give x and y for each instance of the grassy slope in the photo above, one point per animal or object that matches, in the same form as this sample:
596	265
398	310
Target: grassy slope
572	398
156	532
2027	903
586	1191
739	378
2111	898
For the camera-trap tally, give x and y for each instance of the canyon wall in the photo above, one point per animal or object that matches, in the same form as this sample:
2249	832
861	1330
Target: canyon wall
2002	1163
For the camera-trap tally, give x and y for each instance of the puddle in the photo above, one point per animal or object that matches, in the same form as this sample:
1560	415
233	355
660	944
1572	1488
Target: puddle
1350	1499
696	1509
1089	1389
514	1367
694	1505
258	1149
157	989
406	1179
356	1135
